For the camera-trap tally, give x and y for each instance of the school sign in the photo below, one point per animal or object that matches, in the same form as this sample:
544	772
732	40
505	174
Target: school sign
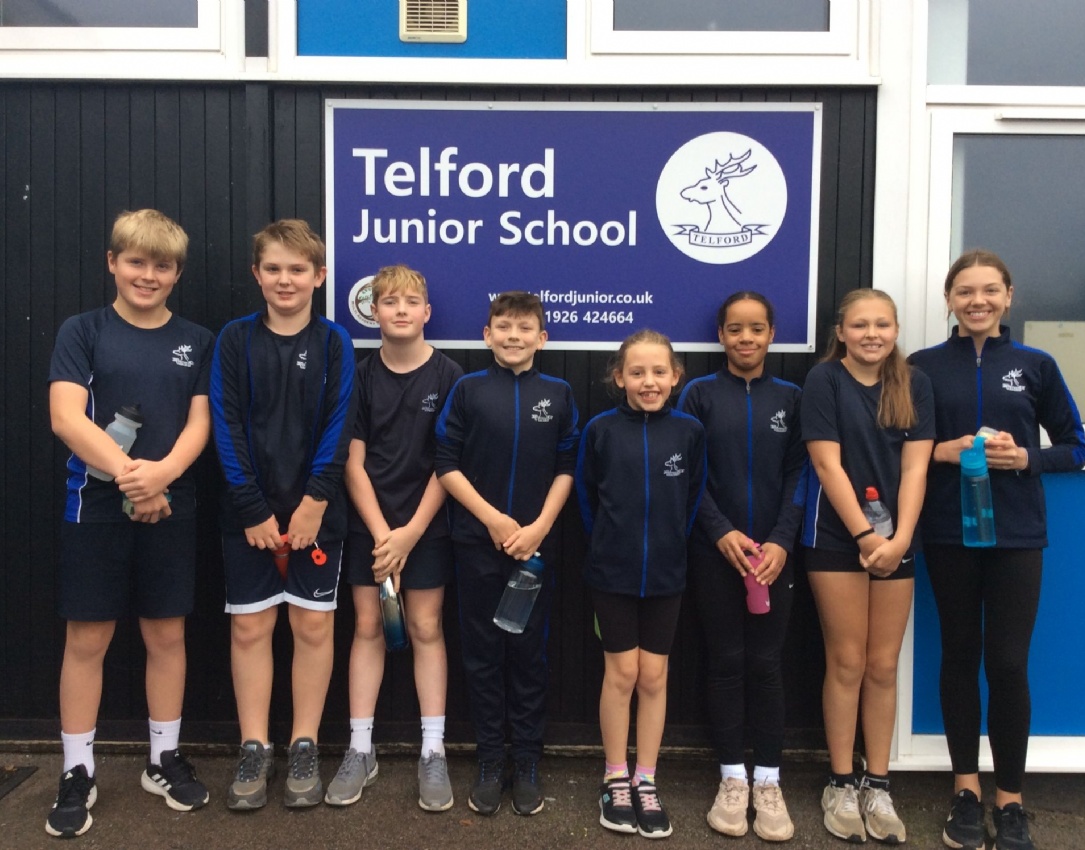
618	216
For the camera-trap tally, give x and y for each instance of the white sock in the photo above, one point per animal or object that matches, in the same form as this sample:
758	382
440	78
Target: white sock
79	749
361	734
433	735
766	775
164	738
733	771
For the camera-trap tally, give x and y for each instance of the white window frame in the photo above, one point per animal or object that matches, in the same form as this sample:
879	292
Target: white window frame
206	35
840	39
214	49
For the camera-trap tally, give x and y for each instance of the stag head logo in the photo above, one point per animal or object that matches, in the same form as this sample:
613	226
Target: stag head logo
671	468
1011	382
721	197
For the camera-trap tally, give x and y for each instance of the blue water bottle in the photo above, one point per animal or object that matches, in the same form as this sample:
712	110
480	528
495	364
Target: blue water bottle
395	622
977	506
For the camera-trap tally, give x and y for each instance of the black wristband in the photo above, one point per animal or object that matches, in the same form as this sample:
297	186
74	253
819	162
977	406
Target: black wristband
862	534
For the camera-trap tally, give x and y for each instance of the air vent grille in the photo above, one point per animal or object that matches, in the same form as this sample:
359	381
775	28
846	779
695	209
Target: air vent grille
433	20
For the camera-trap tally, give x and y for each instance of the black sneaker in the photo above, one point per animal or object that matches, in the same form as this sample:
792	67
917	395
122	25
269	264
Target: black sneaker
175	779
965	829
71	811
527	797
485	796
616	806
1011	828
652	820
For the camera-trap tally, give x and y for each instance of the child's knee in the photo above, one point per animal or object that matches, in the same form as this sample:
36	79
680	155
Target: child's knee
311	627
88	639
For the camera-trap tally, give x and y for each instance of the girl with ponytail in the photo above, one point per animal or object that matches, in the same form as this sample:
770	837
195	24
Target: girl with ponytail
868	422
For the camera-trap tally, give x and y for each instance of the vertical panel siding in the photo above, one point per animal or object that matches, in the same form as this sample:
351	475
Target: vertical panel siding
224	159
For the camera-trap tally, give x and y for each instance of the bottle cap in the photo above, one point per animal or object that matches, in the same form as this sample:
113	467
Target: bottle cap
871	494
534	564
132	413
974	460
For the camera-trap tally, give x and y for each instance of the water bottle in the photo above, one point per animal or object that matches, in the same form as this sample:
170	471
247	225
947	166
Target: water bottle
757	594
122	429
519	596
977	507
877	514
395	625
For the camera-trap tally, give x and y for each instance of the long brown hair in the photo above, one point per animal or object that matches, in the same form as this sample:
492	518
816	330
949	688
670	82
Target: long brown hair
895	408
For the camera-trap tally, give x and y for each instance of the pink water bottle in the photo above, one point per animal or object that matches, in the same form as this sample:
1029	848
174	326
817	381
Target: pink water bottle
757	595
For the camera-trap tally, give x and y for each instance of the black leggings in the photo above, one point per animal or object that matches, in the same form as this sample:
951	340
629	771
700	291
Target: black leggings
745	678
987	601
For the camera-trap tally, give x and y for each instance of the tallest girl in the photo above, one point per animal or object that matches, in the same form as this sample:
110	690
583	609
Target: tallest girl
987	598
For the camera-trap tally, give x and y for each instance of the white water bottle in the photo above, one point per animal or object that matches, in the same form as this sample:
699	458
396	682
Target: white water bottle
122	429
877	513
519	596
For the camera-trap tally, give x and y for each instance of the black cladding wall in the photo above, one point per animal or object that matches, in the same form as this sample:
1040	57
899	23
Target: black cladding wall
224	159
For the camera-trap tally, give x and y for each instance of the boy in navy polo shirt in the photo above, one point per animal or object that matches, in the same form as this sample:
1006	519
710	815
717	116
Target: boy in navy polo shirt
398	530
281	401
129	519
506	451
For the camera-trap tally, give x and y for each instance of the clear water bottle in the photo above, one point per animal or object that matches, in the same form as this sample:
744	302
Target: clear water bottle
519	596
977	506
757	594
877	514
122	429
395	624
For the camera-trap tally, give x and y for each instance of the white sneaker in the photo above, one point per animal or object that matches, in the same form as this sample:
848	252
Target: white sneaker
879	816
842	818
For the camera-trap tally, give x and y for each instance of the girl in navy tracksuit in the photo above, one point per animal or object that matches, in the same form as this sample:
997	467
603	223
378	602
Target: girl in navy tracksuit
755	460
987	598
639	477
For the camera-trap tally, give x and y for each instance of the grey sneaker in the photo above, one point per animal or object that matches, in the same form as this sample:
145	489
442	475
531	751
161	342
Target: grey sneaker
434	789
357	771
303	786
256	767
842	818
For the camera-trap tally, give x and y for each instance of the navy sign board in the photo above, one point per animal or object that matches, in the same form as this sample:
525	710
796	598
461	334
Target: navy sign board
618	216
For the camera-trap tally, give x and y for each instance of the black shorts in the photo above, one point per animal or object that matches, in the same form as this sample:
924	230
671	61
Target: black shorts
253	582
830	561
632	622
429	565
107	568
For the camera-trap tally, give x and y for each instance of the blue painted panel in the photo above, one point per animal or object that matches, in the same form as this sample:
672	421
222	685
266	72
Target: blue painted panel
496	29
1057	657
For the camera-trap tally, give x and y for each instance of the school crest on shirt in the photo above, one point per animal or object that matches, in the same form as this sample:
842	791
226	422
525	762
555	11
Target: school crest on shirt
541	411
181	358
302	359
778	422
1011	381
429	403
671	468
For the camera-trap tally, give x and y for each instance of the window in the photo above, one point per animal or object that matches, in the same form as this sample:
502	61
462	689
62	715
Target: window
731	16
158	25
766	27
1006	43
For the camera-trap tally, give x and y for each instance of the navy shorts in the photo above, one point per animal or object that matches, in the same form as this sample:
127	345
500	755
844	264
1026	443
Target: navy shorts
253	582
632	622
429	565
109	568
830	561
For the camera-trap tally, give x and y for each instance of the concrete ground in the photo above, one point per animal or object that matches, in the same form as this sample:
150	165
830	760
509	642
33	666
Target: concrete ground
388	816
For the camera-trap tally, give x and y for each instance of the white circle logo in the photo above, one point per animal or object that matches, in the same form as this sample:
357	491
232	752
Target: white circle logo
721	198
360	302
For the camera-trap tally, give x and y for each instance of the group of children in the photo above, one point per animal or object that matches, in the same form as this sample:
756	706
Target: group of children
324	460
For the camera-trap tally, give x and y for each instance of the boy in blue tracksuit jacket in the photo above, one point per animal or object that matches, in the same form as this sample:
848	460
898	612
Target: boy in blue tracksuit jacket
282	405
506	447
